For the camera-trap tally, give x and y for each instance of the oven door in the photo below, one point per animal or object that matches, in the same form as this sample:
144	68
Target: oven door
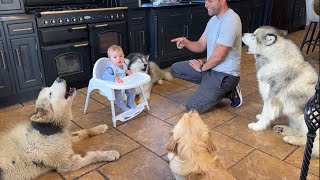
68	61
103	35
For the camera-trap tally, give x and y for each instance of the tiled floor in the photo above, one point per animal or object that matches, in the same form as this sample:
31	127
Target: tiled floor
247	154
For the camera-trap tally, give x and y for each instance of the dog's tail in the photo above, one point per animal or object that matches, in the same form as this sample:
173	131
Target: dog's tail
159	73
167	75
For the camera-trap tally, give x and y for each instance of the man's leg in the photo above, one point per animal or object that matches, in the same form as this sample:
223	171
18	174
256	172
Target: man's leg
211	91
184	71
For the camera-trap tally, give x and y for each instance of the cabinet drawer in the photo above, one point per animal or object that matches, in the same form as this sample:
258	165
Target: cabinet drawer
20	28
136	17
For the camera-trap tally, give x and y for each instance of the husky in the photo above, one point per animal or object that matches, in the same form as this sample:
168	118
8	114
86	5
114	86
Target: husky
286	83
43	143
138	62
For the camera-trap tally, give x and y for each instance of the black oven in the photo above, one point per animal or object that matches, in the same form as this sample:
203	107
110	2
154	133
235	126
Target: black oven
103	35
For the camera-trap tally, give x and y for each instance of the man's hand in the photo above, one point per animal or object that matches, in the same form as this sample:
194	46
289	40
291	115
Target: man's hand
180	42
196	63
118	80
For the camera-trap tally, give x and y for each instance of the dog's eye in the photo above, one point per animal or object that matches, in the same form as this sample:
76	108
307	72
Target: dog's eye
50	94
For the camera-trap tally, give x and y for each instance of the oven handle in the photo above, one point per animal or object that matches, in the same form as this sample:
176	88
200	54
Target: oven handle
80	27
80	45
100	25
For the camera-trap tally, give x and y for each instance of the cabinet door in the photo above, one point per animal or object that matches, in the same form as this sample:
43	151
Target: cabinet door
10	5
244	12
26	61
5	80
299	16
137	39
199	20
257	15
171	29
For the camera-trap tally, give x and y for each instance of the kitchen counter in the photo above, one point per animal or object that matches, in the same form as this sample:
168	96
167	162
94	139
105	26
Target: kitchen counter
150	5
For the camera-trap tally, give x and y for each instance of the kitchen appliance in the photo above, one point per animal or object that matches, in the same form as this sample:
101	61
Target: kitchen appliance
73	34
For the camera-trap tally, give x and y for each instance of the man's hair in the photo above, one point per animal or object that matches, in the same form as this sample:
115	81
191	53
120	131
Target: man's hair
113	48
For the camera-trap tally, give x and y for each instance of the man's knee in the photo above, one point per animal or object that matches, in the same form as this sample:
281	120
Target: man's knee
201	109
174	67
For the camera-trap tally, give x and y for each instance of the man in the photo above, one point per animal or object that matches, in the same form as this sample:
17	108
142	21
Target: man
219	76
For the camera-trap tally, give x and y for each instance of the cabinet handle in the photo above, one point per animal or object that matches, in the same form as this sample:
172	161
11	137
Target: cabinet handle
19	58
3	60
81	27
101	25
137	18
22	29
172	15
80	45
143	41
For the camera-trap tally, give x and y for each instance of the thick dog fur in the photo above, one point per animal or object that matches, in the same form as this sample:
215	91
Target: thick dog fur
286	82
43	143
191	151
140	63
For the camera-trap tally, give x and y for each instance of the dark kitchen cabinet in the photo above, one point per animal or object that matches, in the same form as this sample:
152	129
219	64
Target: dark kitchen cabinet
11	6
168	23
6	87
299	16
26	61
21	66
288	14
137	31
257	14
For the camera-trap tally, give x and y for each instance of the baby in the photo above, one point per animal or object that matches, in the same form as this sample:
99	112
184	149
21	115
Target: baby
116	71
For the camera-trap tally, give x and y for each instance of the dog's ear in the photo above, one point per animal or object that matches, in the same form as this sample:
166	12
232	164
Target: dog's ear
283	33
210	145
41	115
270	39
171	146
147	56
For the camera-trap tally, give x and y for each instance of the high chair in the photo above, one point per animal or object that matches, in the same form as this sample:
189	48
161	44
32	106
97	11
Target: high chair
106	88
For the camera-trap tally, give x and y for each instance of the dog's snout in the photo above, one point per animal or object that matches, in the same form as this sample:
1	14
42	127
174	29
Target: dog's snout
59	80
145	65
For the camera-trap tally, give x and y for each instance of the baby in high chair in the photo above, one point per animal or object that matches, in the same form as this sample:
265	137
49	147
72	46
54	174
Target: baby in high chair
117	70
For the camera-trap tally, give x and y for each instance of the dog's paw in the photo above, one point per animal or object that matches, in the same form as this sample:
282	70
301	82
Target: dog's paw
257	126
258	117
295	140
102	128
112	155
160	82
278	128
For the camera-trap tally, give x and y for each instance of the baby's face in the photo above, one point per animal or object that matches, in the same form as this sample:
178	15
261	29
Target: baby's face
117	58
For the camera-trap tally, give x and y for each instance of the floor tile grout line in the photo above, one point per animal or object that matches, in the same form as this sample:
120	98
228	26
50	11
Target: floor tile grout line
144	146
249	153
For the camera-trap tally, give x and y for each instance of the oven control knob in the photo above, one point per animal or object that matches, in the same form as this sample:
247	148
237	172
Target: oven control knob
59	20
73	19
117	16
80	19
67	20
52	21
45	22
111	16
122	15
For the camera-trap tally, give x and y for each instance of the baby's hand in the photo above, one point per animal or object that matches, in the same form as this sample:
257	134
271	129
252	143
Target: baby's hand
118	80
128	72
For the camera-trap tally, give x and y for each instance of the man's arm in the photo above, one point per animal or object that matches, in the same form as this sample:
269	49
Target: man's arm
218	55
194	46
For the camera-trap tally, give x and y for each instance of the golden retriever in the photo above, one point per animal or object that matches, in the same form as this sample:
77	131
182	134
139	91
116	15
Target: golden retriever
191	152
43	142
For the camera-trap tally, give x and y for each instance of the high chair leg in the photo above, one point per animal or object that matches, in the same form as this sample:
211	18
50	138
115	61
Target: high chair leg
87	102
114	121
144	98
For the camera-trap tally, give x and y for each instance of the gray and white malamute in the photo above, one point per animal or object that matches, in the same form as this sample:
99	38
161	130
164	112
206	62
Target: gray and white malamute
140	63
286	82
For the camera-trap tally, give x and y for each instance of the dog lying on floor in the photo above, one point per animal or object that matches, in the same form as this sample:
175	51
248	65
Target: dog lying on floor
286	82
43	143
191	152
138	62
